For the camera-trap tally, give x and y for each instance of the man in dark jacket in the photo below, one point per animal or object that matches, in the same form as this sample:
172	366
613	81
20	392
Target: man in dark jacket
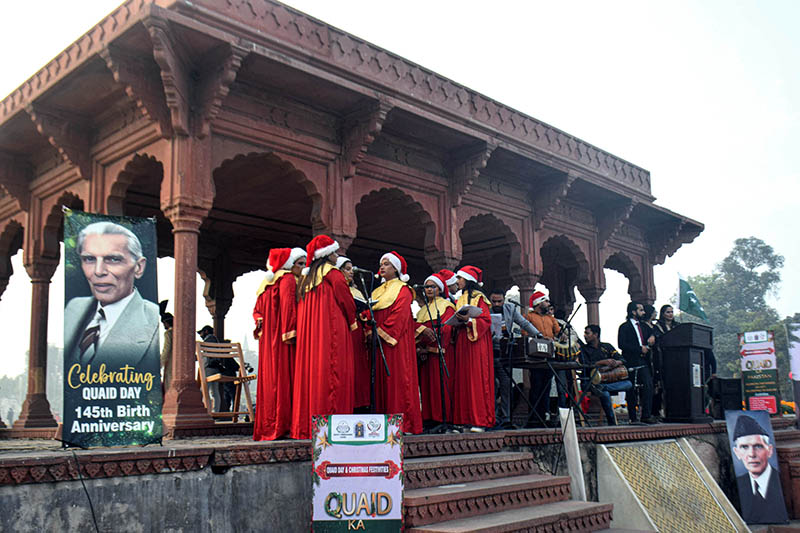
603	355
635	340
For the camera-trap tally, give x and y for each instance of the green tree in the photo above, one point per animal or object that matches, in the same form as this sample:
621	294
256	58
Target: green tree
734	297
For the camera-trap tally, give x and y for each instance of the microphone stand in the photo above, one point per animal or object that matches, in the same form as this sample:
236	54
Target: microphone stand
375	342
443	371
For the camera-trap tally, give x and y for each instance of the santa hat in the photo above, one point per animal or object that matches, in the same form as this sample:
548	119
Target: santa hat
320	246
282	259
448	276
398	263
471	273
537	298
439	282
341	261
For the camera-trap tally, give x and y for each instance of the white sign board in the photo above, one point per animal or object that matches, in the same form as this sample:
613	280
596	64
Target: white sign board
357	468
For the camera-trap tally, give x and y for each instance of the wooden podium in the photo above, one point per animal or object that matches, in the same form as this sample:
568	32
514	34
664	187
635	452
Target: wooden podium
682	373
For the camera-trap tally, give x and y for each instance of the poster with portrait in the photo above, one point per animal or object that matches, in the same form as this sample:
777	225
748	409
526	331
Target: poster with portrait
755	465
112	381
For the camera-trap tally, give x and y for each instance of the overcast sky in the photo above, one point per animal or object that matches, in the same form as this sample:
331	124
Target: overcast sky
704	95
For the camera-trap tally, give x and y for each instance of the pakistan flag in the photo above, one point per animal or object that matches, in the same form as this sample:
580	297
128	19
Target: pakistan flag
687	299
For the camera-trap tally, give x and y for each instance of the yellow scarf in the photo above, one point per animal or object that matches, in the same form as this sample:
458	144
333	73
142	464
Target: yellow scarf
357	294
476	298
320	275
264	284
386	294
437	307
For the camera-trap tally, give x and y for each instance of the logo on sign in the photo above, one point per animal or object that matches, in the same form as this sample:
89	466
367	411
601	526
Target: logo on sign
755	336
342	429
374	427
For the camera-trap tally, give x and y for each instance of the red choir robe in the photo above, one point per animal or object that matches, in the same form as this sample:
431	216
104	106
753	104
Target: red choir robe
429	382
276	311
398	393
473	402
362	362
323	373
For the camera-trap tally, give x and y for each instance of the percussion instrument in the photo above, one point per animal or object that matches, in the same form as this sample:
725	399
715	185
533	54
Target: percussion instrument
566	349
605	374
531	350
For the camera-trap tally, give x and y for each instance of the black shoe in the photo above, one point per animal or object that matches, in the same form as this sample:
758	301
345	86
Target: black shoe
650	420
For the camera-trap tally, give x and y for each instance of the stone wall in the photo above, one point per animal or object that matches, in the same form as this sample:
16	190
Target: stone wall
246	498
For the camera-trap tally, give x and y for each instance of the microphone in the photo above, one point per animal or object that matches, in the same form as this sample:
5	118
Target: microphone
364	272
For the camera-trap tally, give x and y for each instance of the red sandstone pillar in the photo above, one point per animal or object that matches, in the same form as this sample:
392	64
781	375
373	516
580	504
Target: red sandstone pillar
592	297
183	404
36	414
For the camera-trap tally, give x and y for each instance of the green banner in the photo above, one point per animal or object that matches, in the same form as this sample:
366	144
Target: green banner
112	380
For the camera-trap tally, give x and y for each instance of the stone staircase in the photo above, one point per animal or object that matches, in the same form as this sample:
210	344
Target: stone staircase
466	483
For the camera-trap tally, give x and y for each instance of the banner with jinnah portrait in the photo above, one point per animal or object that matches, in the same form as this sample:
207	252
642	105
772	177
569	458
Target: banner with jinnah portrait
112	382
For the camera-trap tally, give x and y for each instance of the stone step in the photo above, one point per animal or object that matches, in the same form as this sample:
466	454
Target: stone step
462	500
452	443
786	435
433	471
557	516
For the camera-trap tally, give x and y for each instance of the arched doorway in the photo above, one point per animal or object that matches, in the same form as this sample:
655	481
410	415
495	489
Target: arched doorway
261	201
490	245
389	219
564	265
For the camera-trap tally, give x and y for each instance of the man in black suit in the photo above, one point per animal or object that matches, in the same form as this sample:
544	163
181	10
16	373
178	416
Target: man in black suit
760	489
635	340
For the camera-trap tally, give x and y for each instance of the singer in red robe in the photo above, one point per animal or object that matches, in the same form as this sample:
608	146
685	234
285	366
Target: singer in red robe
276	322
473	402
438	309
326	314
361	389
399	392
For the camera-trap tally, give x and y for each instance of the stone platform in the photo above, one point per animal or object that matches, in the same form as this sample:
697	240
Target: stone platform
495	481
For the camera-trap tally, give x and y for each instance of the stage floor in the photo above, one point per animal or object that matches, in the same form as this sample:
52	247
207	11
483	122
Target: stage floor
41	460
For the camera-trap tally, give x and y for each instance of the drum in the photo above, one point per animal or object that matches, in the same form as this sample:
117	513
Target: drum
567	349
609	375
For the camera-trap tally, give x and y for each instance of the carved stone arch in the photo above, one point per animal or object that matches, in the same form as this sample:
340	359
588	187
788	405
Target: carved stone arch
142	172
286	169
489	243
53	225
564	265
393	219
12	234
622	263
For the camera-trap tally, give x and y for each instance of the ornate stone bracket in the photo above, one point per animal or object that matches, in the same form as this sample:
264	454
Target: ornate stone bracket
67	133
194	96
665	241
465	166
214	84
359	129
612	220
142	84
547	198
15	177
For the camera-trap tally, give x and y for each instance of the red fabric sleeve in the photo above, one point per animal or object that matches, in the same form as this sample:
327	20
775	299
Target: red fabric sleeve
481	324
287	293
258	309
344	299
398	319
